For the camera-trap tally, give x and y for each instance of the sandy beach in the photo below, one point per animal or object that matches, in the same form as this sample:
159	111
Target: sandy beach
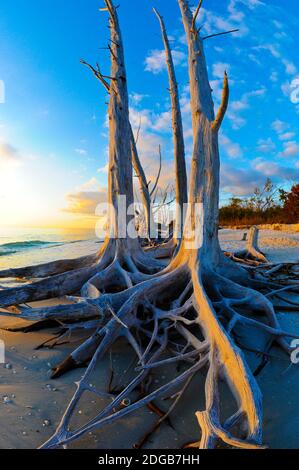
31	404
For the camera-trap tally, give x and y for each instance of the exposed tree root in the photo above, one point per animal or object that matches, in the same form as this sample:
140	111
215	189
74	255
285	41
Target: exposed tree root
49	269
65	333
195	313
163	250
165	416
117	267
55	286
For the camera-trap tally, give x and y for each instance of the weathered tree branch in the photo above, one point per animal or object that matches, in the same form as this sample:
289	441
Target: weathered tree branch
178	135
193	25
135	157
223	106
220	34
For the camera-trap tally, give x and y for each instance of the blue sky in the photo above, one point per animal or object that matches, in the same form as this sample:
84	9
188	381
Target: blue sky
53	133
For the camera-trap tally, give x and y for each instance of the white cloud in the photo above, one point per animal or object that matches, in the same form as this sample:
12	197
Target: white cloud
140	118
136	98
236	121
279	126
214	23
274	76
81	151
266	145
252	3
239	182
272	48
287	136
9	154
275	171
277	24
219	68
85	202
289	66
232	149
254	59
238	106
156	60
286	88
104	169
163	122
90	185
291	149
242	181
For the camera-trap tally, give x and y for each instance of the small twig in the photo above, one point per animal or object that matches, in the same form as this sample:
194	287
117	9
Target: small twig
110	388
193	29
97	74
283	289
159	172
116	318
165	416
220	34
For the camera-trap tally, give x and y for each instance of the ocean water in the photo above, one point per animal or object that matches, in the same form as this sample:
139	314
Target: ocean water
23	246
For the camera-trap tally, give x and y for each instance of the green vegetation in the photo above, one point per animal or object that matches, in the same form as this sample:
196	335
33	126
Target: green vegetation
267	205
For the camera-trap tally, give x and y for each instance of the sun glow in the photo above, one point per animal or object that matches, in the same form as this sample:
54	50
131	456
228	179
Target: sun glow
28	198
15	198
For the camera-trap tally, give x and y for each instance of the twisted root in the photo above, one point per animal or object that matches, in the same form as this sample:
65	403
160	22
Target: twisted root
185	314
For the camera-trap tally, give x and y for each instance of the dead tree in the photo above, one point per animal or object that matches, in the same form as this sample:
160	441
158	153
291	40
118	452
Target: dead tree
118	256
144	189
178	136
195	308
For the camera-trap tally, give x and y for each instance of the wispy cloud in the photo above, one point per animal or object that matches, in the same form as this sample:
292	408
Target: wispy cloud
85	202
287	136
81	151
279	126
243	181
137	98
232	149
9	154
219	68
155	62
236	107
266	145
291	149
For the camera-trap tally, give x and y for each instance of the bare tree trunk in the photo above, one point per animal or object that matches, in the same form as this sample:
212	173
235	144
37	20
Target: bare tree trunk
120	177
145	194
178	136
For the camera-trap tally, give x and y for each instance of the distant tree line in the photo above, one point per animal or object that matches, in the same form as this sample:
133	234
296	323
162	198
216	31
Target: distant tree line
267	205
